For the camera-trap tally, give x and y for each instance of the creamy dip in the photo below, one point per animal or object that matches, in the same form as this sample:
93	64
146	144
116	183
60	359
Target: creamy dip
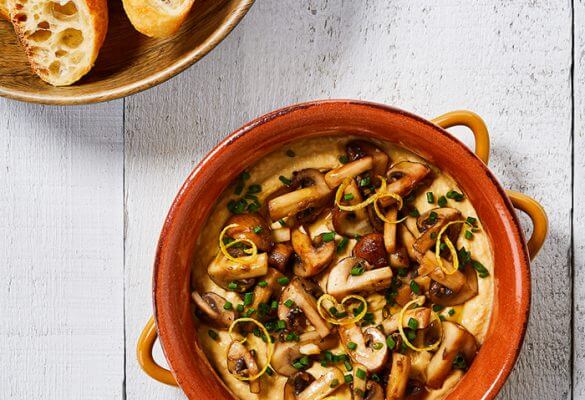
323	153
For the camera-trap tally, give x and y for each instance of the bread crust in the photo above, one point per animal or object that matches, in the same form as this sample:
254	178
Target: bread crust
152	20
98	16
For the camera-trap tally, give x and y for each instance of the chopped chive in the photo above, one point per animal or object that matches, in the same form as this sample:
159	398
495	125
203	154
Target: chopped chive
412	323
357	271
347	365
365	181
468	235
239	188
410	335
254	188
343	159
281	222
375	377
262	283
292	337
471	220
360	373
342	244
289	303
348	197
253	207
285	180
283	280
269	371
442	202
232	286
414	213
228	306
433	235
390	342
441	317
432	217
328	236
351	345
250	312
304	360
298	365
459	362
377	346
245	176
453	194
348	378
437	308
248	298
213	334
290	153
414	287
257	229
402	272
451	312
481	270
274	304
280	325
240	307
334	383
443	246
430	197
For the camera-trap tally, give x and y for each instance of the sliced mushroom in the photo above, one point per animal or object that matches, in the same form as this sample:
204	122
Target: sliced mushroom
444	296
242	363
359	381
313	256
357	149
285	353
281	235
341	281
252	227
211	307
399	258
280	255
263	293
390	241
374	391
311	191
403	177
371	248
398	379
370	348
296	387
422	315
429	267
351	223
456	341
405	293
303	305
407	239
430	224
223	271
337	175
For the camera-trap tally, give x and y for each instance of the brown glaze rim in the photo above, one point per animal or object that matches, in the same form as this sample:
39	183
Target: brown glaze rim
157	78
521	286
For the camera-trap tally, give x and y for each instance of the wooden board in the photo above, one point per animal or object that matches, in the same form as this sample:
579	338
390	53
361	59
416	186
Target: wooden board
61	243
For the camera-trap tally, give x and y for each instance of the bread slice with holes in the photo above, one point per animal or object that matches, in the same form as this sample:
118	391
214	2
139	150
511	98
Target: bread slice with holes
157	18
61	38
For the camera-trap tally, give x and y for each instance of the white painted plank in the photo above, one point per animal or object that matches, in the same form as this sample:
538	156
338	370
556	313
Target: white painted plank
61	237
509	61
578	202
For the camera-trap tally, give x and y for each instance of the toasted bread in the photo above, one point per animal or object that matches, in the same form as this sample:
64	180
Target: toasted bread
157	18
61	38
4	9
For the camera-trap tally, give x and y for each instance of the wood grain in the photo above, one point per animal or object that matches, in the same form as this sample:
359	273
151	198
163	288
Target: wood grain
128	61
62	255
509	61
578	202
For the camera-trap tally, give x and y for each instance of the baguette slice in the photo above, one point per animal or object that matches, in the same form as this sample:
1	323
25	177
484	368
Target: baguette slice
61	38
157	18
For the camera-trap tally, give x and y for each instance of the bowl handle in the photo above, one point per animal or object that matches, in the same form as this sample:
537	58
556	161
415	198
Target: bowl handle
474	123
145	358
538	216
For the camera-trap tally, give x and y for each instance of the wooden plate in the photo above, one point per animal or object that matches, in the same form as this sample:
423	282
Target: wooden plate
128	61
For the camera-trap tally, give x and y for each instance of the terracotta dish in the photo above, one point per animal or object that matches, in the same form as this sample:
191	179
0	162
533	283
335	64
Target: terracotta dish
129	62
173	311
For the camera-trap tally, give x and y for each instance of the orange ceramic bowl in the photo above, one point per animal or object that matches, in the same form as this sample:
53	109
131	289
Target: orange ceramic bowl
171	282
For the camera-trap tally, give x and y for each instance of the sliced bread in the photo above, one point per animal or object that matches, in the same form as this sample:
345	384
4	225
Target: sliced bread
157	18
61	38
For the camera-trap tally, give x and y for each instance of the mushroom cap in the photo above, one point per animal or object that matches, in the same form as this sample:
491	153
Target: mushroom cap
242	363
210	306
371	248
247	224
296	384
357	149
280	256
341	283
456	340
312	257
336	176
441	295
403	177
223	271
365	353
430	227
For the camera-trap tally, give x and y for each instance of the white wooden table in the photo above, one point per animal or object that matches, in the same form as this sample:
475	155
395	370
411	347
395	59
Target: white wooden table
84	190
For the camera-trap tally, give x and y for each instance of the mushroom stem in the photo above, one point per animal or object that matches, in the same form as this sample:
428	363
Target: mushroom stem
398	379
336	176
313	258
224	271
211	305
296	293
321	387
422	316
405	176
369	347
390	230
341	281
